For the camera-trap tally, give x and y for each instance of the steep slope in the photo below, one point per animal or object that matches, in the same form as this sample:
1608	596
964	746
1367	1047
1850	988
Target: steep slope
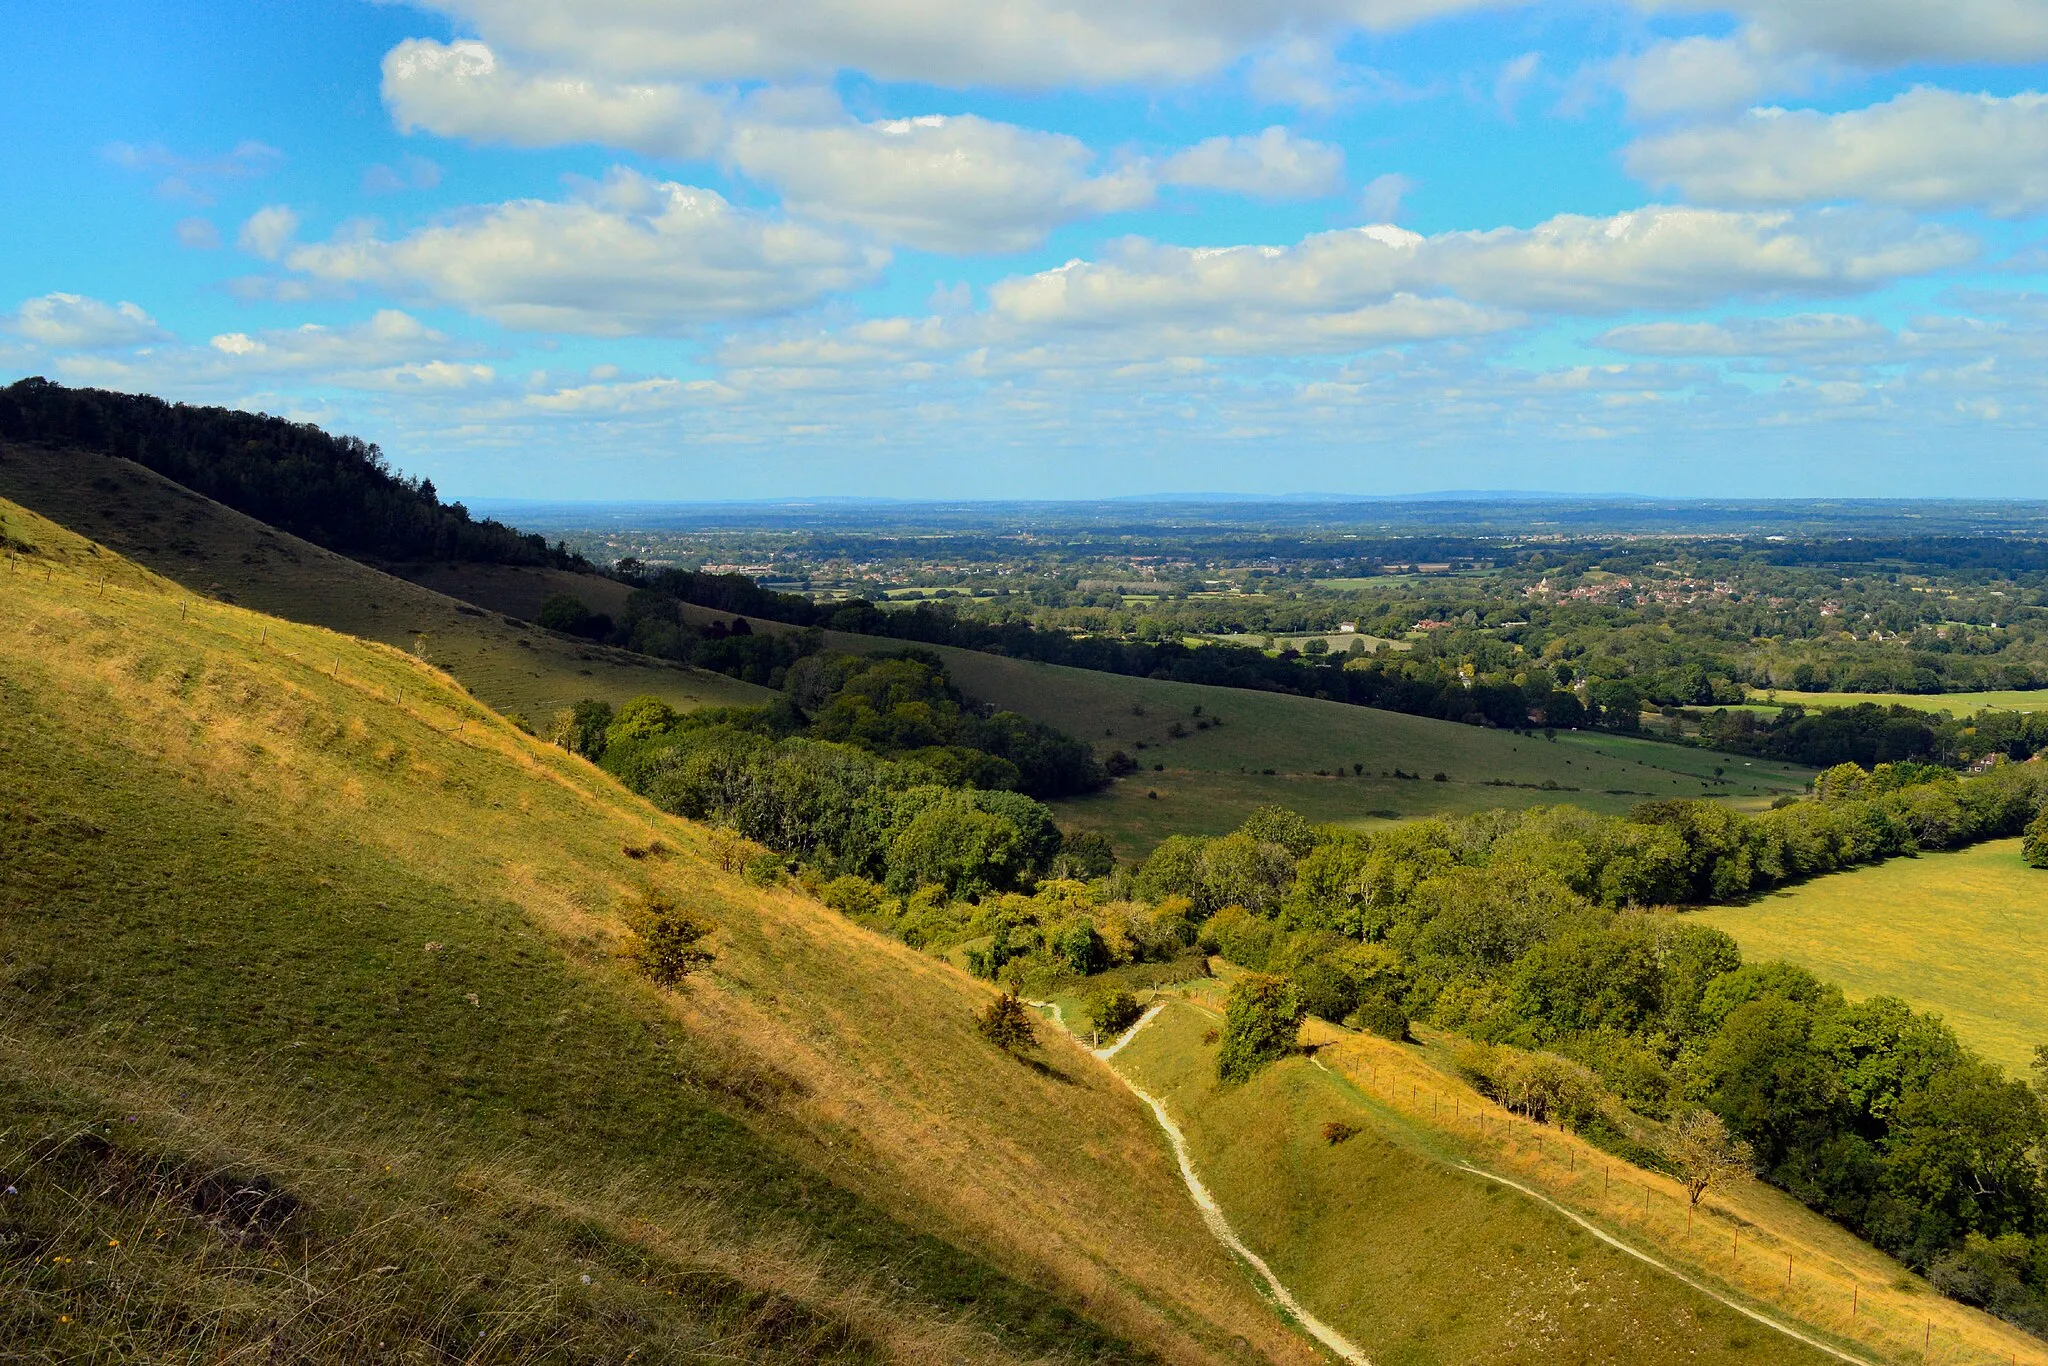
1405	1239
210	549
319	1042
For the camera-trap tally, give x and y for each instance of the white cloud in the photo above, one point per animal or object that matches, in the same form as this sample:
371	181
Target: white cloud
463	90
631	256
1890	32
1017	43
1924	149
391	337
1513	81
197	234
74	322
1836	337
268	231
1380	200
411	173
956	184
1272	165
1652	258
193	180
1710	75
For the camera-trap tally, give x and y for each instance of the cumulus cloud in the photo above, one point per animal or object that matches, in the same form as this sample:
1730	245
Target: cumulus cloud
1017	43
1656	257
1274	164
463	90
268	231
1380	200
1710	75
1925	149
955	184
1889	32
74	322
631	255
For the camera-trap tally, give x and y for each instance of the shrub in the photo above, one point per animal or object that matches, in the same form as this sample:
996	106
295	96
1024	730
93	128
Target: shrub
1113	1012
2034	848
851	896
1007	1024
1337	1131
1260	1025
1383	1015
668	942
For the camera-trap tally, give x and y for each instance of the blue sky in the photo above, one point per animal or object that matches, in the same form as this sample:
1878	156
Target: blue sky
1039	248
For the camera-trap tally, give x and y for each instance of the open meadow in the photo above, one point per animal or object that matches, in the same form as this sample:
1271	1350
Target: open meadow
1964	934
1953	703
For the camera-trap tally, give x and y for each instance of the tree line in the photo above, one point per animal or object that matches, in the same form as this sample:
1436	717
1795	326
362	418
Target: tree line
338	492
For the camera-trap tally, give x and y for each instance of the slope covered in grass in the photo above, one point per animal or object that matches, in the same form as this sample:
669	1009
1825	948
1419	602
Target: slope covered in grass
318	1042
1963	934
214	550
1387	1235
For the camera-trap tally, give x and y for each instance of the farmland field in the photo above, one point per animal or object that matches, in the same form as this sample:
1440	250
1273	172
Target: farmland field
1963	934
1954	703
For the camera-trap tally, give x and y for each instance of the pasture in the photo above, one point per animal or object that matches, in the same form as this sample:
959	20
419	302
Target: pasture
1964	934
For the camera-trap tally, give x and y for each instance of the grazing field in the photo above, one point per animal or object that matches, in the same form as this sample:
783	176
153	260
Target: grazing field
217	552
269	932
1211	778
1385	1236
1954	703
1964	934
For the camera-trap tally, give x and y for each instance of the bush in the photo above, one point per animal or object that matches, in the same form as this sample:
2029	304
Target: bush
1007	1024
1260	1025
2034	848
1382	1015
1113	1012
851	896
669	941
1337	1131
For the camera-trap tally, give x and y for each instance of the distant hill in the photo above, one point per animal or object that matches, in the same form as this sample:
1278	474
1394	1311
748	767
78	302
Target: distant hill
338	492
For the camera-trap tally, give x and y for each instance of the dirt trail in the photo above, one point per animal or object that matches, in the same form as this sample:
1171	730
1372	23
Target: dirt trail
1212	1213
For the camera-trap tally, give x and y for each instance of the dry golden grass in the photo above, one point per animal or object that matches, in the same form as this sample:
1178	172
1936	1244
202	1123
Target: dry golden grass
215	551
846	1052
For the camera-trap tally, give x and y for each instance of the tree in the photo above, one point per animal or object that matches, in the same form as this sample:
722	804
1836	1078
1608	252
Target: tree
1260	1025
1704	1152
669	946
1007	1024
2034	848
1113	1012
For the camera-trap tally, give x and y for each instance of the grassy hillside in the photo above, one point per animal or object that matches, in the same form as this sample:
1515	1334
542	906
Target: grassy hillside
214	550
1964	934
317	1042
1391	1238
1211	777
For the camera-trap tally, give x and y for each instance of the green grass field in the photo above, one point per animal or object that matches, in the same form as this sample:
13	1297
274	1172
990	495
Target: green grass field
1964	934
1416	1260
318	1042
217	552
1955	703
1413	1260
1211	779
